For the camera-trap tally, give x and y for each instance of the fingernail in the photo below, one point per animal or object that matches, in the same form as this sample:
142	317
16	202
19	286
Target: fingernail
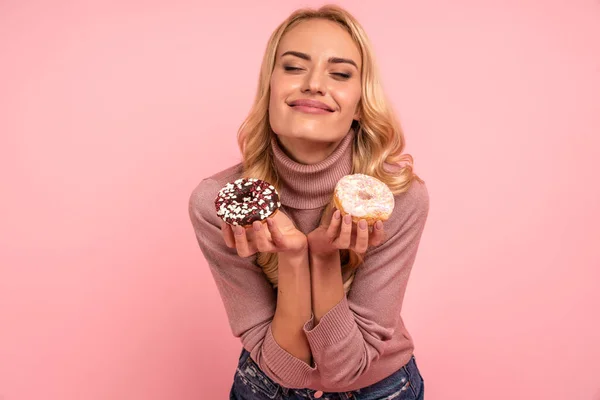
269	222
347	219
379	225
238	230
362	224
256	225
337	214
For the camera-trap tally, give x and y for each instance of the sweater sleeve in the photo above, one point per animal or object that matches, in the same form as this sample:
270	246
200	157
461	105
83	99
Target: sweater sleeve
248	297
353	334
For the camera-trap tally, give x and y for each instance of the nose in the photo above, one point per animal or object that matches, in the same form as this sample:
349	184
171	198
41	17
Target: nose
314	83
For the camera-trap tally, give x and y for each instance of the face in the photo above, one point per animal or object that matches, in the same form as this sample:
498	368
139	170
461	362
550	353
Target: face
316	83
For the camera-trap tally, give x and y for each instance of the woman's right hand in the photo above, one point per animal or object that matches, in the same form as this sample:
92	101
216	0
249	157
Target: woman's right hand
277	235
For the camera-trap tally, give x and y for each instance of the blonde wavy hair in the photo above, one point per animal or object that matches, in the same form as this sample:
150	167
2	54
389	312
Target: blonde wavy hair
378	143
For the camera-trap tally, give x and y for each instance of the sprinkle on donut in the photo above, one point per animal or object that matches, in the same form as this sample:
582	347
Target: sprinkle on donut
364	197
246	200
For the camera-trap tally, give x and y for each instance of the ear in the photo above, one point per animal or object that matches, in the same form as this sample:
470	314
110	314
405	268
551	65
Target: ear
358	113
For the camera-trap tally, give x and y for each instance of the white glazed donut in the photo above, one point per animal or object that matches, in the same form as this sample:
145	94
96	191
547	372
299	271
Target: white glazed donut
364	197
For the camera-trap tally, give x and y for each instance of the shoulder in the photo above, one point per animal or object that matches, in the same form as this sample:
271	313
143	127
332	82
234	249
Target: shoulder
201	202
415	198
411	208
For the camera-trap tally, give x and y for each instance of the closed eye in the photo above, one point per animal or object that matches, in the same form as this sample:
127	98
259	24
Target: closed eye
342	75
339	75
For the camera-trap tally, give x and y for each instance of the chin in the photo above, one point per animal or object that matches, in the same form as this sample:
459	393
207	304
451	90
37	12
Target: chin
317	132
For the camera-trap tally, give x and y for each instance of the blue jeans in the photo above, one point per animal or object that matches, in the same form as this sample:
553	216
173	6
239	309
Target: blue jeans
251	383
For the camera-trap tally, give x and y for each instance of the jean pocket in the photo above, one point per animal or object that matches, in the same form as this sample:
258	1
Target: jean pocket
395	386
252	377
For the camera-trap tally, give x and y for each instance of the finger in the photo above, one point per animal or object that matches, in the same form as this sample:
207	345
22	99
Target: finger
241	242
362	237
334	227
343	241
378	234
276	235
260	235
227	234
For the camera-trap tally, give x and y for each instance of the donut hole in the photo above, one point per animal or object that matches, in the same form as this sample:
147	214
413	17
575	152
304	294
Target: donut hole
242	197
364	195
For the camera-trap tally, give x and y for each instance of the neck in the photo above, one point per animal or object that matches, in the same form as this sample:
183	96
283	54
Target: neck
305	151
305	185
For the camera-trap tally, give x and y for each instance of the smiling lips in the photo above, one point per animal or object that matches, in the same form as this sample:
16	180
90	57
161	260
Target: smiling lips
311	106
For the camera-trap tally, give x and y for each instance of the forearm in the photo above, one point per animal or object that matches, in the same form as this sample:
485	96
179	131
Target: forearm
293	305
327	284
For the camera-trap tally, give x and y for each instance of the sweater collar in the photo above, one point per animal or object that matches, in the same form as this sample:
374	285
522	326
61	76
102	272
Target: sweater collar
309	186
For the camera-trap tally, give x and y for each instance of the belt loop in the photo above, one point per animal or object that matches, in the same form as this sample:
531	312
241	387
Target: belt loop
414	364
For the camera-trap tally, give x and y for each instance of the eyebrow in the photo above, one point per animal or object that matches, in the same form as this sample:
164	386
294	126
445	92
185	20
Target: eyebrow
332	60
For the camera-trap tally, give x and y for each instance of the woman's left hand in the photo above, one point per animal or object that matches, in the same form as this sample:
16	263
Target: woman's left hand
337	232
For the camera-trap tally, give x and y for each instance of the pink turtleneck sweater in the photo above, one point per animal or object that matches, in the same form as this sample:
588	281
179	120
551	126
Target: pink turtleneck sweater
359	341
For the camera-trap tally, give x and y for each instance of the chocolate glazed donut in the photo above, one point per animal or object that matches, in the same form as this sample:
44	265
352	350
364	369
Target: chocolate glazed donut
246	200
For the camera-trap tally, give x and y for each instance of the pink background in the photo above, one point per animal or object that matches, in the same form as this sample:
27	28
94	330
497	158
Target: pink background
110	114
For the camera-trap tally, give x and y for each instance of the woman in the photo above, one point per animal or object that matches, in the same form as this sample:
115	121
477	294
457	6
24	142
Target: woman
316	298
